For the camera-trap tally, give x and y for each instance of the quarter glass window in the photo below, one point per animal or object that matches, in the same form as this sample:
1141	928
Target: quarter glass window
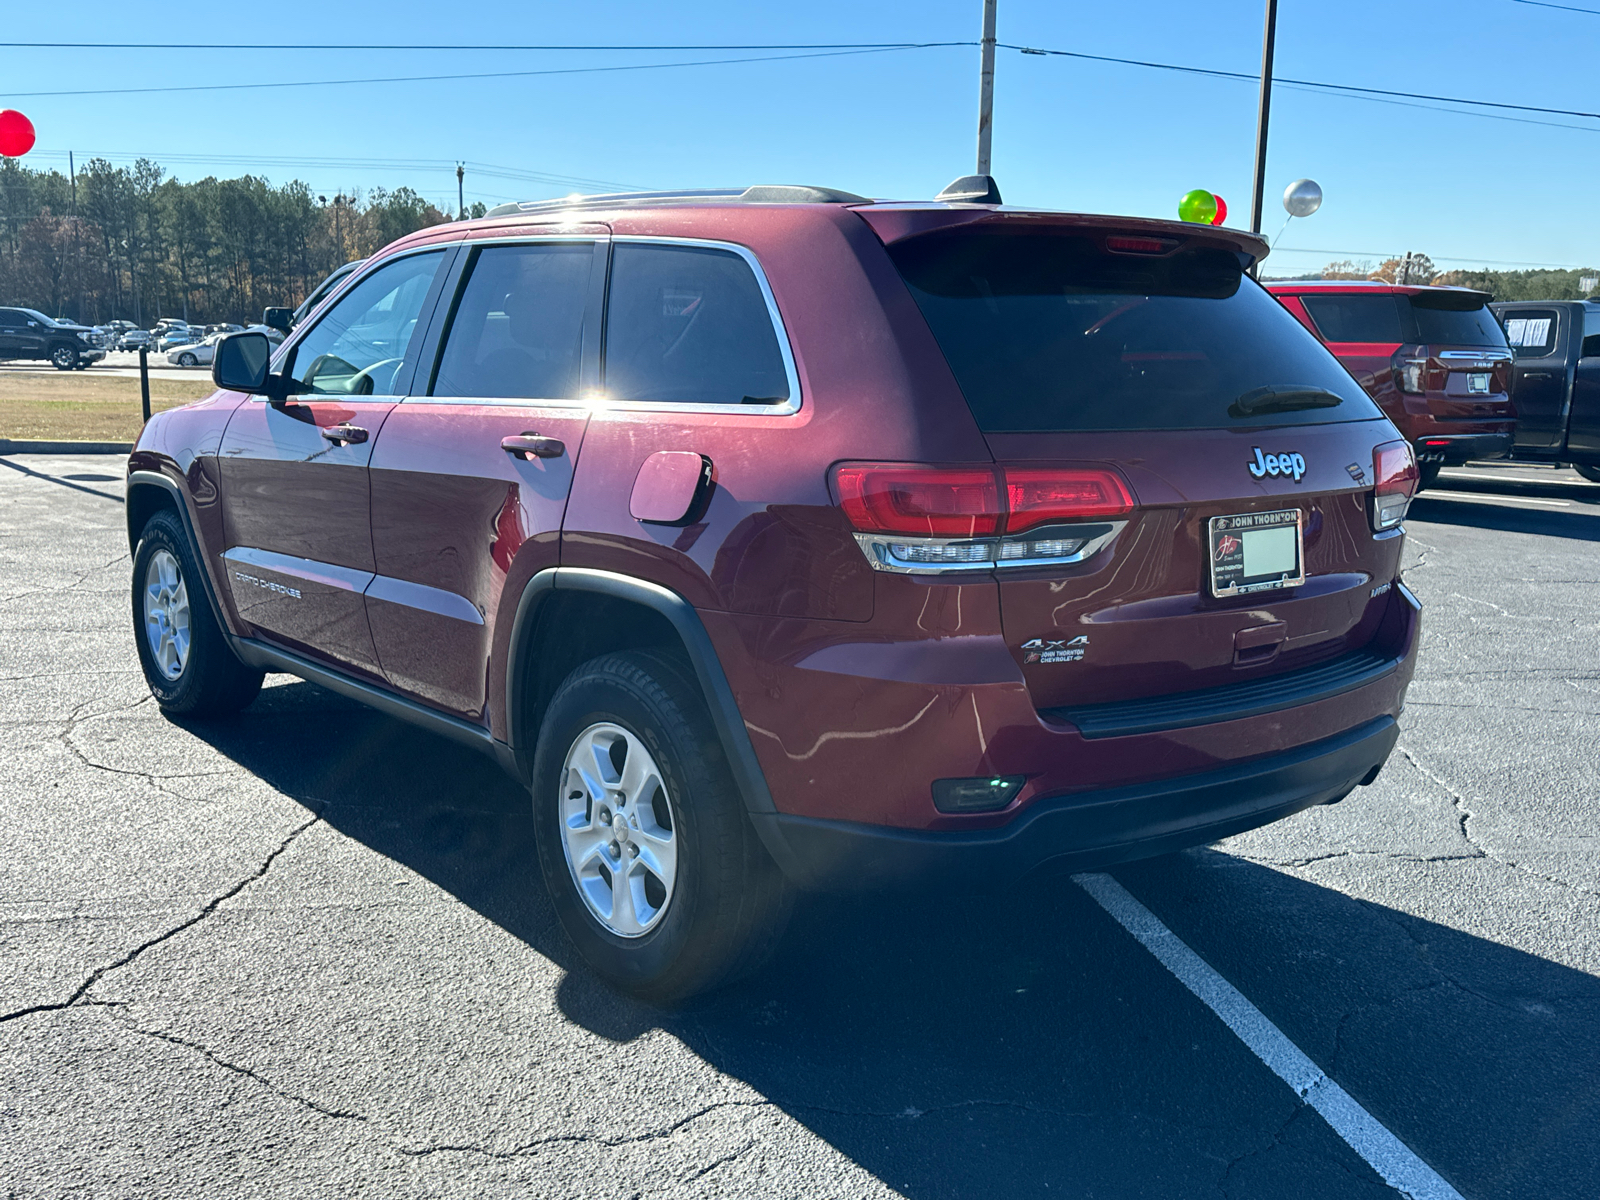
518	330
689	324
358	346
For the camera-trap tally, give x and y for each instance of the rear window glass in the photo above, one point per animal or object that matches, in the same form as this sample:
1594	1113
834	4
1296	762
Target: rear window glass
1532	331
689	324
1443	319
1045	331
1356	318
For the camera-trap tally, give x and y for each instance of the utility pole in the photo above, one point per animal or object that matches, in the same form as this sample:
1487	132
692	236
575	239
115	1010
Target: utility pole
986	89
1267	40
461	196
77	258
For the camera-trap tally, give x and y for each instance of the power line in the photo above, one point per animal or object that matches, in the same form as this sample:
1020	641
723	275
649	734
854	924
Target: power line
294	83
1306	83
1593	12
1443	258
446	46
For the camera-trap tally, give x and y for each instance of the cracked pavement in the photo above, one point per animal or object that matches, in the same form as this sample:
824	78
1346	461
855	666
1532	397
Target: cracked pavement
305	952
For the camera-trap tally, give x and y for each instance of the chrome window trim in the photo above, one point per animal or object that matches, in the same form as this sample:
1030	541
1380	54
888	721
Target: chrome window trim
880	556
787	409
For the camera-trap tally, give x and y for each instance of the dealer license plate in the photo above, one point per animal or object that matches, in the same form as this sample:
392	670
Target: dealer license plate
1477	385
1256	552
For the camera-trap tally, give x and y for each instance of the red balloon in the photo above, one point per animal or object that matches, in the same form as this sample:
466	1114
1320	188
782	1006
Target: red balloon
16	133
1222	212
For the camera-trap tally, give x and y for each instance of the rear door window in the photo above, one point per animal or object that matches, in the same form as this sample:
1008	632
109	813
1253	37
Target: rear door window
1356	318
689	324
1532	331
517	331
1045	331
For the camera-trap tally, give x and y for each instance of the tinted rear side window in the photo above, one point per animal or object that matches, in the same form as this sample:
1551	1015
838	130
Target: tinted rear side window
518	329
1044	331
1443	319
689	324
1356	318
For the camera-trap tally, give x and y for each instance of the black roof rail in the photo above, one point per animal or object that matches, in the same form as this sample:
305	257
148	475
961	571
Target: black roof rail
759	194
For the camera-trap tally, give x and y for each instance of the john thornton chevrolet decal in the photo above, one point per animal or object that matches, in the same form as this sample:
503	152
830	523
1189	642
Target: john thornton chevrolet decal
1043	650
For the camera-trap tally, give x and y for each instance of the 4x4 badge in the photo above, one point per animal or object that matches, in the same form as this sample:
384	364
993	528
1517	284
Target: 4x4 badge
1044	650
1277	464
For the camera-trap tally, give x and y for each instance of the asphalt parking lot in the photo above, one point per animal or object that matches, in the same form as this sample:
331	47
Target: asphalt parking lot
306	952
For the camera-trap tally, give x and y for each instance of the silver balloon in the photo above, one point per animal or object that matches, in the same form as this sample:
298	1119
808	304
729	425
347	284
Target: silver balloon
1302	198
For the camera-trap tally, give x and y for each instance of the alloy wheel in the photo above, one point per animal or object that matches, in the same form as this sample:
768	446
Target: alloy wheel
166	614
618	830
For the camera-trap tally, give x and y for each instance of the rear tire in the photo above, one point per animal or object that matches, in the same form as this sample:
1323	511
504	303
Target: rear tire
188	664
1592	474
723	904
1427	475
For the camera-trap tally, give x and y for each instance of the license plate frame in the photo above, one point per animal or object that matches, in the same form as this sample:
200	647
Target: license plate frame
1228	544
1478	383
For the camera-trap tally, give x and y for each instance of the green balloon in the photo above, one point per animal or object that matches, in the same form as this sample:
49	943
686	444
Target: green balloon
1199	206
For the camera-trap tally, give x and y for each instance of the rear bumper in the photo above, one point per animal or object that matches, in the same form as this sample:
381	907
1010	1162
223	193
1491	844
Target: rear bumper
1085	830
1454	449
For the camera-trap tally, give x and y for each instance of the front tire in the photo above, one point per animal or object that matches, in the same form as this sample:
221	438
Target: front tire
188	360
187	662
644	844
64	358
1592	474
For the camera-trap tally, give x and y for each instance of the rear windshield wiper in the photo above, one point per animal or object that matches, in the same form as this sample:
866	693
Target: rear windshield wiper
1282	398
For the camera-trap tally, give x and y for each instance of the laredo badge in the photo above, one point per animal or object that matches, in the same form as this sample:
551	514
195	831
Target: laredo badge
1042	650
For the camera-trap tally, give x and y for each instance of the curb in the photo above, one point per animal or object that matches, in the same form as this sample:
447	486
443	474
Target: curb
24	446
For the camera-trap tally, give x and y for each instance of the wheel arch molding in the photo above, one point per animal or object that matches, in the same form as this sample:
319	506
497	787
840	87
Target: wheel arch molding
568	615
147	493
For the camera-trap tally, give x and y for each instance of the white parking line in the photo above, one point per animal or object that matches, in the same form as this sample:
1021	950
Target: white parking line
1491	497
1535	481
1387	1154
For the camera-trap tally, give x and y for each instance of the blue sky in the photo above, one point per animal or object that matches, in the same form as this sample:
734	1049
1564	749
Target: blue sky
1068	133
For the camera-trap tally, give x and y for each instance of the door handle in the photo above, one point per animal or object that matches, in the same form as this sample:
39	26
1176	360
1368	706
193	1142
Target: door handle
530	445
1536	374
344	435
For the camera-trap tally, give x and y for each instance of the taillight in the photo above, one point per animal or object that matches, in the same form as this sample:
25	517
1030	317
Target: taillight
1394	466
921	501
1410	374
1035	496
919	518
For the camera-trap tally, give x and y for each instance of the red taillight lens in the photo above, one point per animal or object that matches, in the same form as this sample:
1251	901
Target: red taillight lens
975	502
1394	467
1035	496
920	501
1121	244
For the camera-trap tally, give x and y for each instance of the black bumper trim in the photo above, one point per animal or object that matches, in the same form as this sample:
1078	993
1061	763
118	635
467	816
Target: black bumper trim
1231	701
1088	829
1462	447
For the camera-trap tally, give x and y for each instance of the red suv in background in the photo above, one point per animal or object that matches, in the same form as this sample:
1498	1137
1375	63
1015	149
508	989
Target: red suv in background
1434	358
782	537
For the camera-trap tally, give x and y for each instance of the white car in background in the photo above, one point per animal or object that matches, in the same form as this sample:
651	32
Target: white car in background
195	354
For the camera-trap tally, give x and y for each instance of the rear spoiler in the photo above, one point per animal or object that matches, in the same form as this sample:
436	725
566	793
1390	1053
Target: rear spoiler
897	222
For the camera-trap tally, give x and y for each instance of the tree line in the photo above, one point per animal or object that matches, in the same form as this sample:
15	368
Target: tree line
1582	284
133	243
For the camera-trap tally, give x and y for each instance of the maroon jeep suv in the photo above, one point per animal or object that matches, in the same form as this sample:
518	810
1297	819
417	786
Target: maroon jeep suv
784	538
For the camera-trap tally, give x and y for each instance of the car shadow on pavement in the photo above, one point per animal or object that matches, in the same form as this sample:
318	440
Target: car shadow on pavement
1021	1043
1582	525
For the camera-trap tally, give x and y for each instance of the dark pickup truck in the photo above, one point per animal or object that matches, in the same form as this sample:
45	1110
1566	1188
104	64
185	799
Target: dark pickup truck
1555	380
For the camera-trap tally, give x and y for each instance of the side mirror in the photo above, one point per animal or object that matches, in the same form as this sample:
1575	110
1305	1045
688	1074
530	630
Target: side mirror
281	319
241	361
